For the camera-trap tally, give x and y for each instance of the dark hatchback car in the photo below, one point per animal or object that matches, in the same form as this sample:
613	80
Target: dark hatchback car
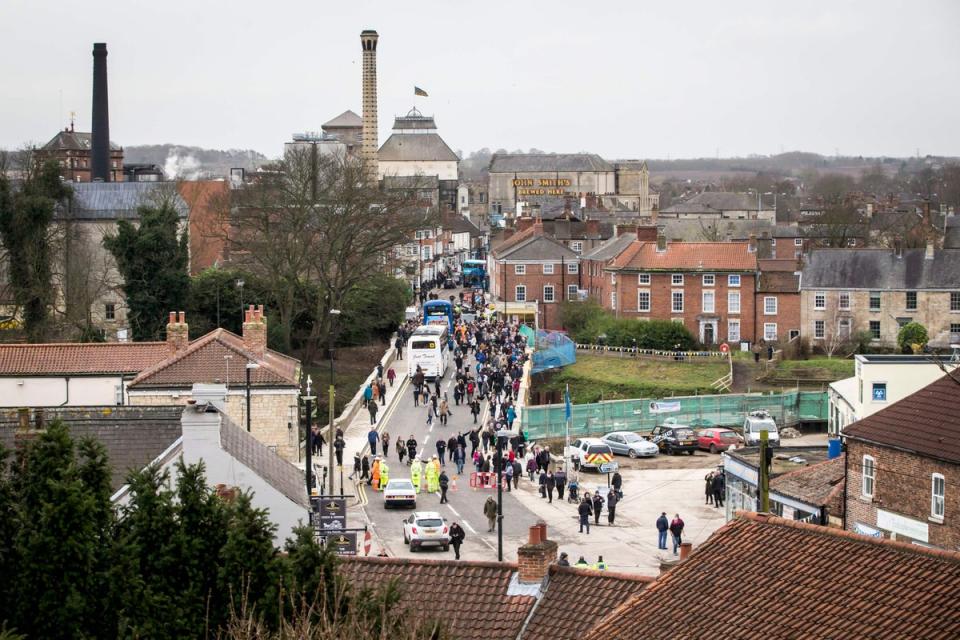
674	439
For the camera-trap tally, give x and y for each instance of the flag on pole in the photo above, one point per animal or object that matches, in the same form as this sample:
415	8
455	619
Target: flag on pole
417	91
566	399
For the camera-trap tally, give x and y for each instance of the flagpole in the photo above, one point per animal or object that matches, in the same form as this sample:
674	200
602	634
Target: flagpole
566	446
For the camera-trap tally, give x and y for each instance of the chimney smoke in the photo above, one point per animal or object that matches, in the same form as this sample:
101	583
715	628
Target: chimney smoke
100	127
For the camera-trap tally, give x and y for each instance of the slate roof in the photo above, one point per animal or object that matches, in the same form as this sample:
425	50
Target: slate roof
881	269
817	484
80	358
119	200
715	202
611	248
687	230
546	162
277	472
73	141
686	256
537	247
575	597
577	230
799	581
132	436
926	422
408	147
203	362
347	119
468	596
459	224
778	282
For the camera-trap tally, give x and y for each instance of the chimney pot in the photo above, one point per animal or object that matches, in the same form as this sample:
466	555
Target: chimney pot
183	317
685	549
929	252
534	534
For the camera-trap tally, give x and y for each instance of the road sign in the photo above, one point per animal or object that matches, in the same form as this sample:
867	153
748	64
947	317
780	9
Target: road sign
609	467
724	348
367	542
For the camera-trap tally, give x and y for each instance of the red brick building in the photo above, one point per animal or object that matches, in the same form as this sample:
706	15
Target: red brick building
903	469
530	266
708	286
71	149
777	305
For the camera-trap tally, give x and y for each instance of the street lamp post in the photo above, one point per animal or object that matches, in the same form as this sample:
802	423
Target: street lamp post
309	402
250	367
501	438
334	315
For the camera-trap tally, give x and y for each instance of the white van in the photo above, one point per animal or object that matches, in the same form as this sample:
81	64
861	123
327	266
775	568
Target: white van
756	422
582	453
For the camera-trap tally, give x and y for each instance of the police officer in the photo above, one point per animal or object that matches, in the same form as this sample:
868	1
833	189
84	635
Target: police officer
599	565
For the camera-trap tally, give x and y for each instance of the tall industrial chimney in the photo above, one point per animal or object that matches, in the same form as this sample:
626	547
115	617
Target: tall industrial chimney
100	128
368	39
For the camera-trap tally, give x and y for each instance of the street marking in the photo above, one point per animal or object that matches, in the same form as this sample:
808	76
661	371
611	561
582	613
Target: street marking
454	511
467	525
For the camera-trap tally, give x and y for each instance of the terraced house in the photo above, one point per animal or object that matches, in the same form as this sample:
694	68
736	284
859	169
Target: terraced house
846	291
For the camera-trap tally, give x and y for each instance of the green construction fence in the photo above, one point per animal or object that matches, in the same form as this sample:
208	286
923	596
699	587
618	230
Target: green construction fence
788	408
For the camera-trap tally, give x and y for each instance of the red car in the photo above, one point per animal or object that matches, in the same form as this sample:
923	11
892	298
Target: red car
717	440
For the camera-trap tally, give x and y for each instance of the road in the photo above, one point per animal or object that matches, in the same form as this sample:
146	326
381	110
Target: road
465	505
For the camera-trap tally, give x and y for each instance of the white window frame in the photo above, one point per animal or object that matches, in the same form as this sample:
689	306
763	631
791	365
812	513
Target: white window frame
519	269
770	331
640	308
819	326
676	279
938	501
733	336
520	293
840	301
871	462
643	279
548	269
613	300
573	268
731	297
798	242
819	300
709	280
552	291
733	280
576	246
712	295
572	292
427	252
766	305
673	301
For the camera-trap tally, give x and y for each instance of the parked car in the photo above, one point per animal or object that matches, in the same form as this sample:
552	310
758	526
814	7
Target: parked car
759	421
399	492
717	440
582	451
627	443
449	283
674	438
426	528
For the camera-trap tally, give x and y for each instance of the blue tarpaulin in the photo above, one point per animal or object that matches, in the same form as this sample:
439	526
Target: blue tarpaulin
553	349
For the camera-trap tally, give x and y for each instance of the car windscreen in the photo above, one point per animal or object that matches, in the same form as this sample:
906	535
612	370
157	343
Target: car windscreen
632	437
728	435
683	434
423	344
401	485
598	448
757	426
430	522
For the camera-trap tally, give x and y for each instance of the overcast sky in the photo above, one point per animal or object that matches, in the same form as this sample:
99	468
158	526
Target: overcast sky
624	79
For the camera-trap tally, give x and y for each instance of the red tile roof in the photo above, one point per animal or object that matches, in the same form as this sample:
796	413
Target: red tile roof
926	422
817	484
80	358
576	597
204	361
516	239
687	256
469	597
765	577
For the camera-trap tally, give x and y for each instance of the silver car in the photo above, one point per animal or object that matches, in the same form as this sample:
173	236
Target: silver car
627	443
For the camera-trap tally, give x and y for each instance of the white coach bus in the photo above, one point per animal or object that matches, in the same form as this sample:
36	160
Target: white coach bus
428	348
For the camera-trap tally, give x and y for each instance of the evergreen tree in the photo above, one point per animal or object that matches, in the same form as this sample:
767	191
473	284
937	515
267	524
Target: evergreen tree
9	525
26	215
153	260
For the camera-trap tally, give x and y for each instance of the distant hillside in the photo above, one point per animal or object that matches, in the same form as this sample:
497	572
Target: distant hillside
193	162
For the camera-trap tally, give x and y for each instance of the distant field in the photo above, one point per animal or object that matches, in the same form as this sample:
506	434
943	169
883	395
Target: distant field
595	378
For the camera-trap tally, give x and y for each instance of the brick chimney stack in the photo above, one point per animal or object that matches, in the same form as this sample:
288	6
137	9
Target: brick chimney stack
255	331
535	557
370	147
178	332
647	233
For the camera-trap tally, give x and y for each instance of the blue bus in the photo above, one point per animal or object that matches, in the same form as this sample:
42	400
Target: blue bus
438	312
474	273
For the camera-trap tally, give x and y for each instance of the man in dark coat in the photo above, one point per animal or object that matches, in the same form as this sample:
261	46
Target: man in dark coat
584	511
457	536
444	485
560	479
663	525
611	507
597	507
616	481
719	488
550	483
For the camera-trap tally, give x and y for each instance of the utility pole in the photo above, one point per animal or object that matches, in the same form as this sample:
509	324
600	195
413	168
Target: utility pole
765	454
